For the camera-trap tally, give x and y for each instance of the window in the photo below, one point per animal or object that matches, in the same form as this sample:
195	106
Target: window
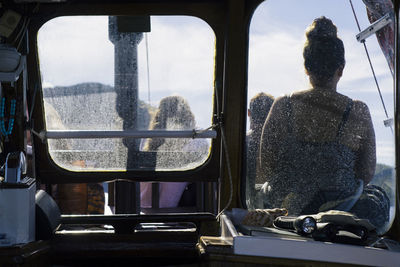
276	67
105	74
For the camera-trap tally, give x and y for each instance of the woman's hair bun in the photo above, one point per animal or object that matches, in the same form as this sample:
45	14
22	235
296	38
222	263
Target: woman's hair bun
323	51
321	28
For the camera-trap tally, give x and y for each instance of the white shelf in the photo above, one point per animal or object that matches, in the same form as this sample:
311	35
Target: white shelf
275	246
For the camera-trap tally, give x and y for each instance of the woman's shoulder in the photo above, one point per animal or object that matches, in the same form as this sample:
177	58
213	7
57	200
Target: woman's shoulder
357	104
281	101
360	109
285	102
281	98
360	105
281	105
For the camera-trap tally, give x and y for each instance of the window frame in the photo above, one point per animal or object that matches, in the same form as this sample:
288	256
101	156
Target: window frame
50	173
394	229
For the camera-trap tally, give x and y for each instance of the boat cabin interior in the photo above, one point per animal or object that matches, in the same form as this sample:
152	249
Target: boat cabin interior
199	133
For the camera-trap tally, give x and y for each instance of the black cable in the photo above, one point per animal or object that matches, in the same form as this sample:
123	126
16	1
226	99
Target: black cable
370	63
225	147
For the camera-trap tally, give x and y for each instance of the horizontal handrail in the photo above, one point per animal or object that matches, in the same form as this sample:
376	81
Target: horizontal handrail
83	134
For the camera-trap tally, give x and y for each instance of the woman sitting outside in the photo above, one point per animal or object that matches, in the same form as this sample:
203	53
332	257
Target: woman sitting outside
317	148
173	114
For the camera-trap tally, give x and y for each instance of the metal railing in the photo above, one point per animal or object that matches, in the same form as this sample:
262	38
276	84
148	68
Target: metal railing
83	134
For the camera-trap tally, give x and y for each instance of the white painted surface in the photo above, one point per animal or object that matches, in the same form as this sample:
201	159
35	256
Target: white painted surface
313	250
279	246
17	215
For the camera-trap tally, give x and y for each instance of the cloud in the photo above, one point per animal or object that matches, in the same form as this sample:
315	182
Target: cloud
181	61
181	51
275	64
76	49
357	64
180	58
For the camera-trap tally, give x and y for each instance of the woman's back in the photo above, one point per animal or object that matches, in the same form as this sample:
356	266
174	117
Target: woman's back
317	115
310	161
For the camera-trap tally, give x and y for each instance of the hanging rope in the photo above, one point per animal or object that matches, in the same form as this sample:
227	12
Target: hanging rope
370	63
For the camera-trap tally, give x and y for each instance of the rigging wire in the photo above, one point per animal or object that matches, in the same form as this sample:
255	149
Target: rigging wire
370	63
148	68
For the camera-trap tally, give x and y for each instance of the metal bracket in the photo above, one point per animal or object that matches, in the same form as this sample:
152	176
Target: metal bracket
373	28
388	122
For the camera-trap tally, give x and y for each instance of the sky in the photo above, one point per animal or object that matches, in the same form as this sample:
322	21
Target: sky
181	58
279	33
